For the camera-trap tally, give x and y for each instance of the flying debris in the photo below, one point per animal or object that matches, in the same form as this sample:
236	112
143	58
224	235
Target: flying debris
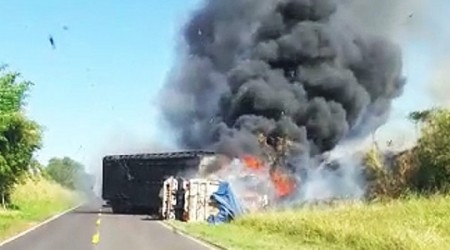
52	42
408	19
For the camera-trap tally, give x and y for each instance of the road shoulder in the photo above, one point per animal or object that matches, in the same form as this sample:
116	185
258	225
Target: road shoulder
40	224
200	240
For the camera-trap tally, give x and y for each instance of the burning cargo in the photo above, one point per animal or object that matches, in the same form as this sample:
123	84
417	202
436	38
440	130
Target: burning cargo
298	69
191	185
188	200
210	200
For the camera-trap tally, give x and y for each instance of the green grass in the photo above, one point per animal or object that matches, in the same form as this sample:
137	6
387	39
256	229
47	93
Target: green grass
36	200
415	223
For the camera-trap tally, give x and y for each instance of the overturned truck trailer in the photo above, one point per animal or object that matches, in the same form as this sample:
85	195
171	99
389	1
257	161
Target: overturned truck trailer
188	199
132	183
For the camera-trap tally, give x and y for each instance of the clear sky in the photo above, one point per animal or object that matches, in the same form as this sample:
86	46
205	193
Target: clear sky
96	88
94	92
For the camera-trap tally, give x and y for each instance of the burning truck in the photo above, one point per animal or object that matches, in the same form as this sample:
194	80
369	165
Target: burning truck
195	185
302	73
296	69
243	185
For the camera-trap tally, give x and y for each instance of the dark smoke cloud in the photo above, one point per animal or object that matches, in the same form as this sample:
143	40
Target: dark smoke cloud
280	67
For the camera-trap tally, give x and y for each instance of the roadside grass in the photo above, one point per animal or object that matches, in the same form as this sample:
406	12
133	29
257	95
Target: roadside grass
413	223
35	200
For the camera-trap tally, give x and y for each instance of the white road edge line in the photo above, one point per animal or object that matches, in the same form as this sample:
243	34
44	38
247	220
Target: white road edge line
39	225
171	228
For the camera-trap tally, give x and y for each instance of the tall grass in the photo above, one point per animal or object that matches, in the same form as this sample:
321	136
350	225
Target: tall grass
415	223
34	200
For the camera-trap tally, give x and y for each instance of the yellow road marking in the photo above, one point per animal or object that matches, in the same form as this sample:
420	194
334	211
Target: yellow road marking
96	238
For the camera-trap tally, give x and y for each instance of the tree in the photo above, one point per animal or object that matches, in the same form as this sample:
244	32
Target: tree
419	117
433	152
20	137
65	171
69	173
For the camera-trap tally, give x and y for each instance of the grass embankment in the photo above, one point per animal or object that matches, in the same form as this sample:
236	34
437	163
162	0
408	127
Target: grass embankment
36	200
403	224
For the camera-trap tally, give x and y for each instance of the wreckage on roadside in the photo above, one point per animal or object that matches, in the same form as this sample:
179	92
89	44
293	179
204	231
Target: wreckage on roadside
195	185
212	200
227	188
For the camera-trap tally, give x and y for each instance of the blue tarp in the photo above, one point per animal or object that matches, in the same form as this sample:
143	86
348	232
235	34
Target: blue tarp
228	204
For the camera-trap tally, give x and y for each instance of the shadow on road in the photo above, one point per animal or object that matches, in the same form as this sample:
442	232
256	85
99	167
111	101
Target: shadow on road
147	216
90	212
151	218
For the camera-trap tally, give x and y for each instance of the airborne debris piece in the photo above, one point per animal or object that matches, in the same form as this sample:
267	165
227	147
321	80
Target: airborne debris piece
52	41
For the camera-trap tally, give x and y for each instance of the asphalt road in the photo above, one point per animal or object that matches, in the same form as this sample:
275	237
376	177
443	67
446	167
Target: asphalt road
96	228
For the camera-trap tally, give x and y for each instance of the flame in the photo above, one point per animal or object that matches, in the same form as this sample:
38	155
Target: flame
252	162
284	184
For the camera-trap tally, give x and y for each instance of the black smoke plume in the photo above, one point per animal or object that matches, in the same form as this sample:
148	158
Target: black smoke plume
289	68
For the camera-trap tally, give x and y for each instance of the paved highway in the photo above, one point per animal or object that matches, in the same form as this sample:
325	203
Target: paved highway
93	227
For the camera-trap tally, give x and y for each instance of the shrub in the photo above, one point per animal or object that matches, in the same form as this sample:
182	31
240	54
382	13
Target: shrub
433	153
389	178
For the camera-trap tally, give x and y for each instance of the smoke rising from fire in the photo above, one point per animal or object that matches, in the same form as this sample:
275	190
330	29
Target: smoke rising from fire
289	68
440	84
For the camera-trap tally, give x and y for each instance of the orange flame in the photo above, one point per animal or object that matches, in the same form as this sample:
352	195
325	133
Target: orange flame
252	162
284	184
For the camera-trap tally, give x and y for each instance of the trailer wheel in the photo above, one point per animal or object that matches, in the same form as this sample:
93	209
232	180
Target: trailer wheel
119	207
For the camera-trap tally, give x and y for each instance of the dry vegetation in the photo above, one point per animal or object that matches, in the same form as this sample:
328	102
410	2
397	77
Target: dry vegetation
414	223
390	177
407	208
34	200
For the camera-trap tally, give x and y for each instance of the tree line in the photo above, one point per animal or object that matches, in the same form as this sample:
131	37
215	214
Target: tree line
21	137
421	170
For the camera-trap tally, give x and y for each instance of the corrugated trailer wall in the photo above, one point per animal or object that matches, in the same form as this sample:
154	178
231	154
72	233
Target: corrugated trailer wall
199	199
196	201
135	181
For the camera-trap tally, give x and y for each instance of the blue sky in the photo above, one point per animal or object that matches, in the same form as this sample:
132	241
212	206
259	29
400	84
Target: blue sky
95	91
100	80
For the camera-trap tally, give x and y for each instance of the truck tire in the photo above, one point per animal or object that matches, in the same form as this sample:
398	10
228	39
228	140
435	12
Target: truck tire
119	207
